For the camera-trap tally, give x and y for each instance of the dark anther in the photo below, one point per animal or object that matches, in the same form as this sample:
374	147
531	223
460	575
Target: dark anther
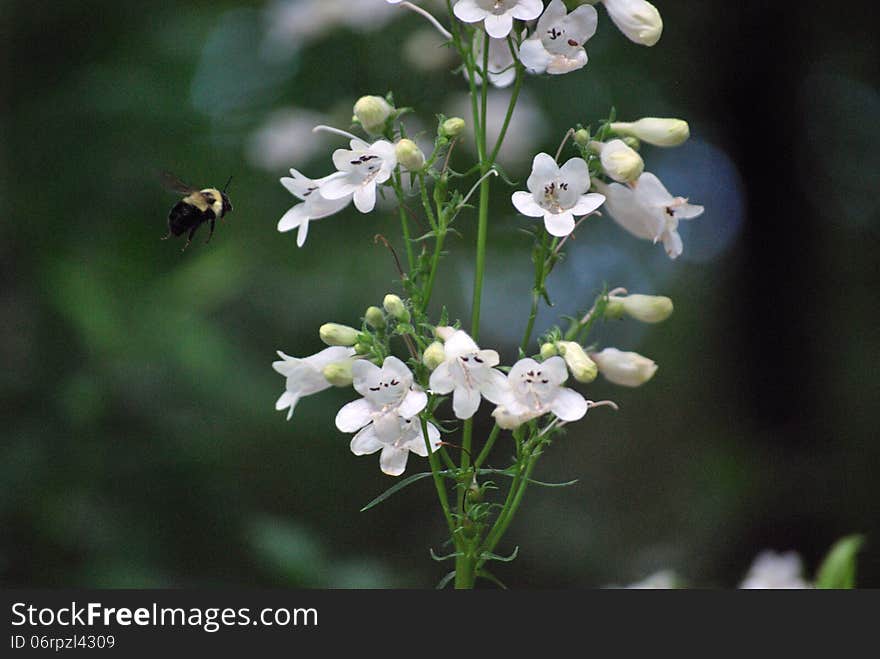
375	388
572	43
529	380
464	359
670	212
478	360
554	33
544	381
394	383
564	186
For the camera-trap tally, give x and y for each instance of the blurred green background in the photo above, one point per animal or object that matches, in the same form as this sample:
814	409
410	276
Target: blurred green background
140	447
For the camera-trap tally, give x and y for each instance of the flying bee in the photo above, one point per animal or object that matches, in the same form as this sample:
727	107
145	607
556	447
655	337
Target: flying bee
196	208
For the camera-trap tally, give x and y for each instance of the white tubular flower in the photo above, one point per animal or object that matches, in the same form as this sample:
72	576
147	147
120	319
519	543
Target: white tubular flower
468	373
385	417
535	389
497	15
648	211
628	369
557	45
558	194
502	71
361	169
652	130
305	376
314	206
406	439
644	308
638	20
621	162
775	571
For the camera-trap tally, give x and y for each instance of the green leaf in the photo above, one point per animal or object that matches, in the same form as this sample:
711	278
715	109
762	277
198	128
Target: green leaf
445	580
396	488
440	559
838	570
488	576
512	473
489	556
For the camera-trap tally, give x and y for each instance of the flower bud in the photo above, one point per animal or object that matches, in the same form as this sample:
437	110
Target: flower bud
339	373
334	334
434	355
620	162
582	137
409	155
637	19
645	308
452	127
632	142
395	306
548	350
444	332
374	317
362	348
628	369
581	366
372	112
659	132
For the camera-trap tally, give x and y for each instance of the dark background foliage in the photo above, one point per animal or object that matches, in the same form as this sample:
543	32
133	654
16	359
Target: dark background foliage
139	443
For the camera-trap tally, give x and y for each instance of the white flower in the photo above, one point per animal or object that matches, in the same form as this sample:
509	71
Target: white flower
396	449
656	131
305	376
502	71
621	162
648	211
314	205
557	45
497	15
361	169
384	417
468	372
558	194
535	389
638	20
628	369
775	571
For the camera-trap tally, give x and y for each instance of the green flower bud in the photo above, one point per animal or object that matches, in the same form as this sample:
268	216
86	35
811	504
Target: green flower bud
334	334
659	132
645	308
581	366
339	373
362	348
395	306
452	127
374	317
548	350
582	137
409	155
632	142
372	112
434	355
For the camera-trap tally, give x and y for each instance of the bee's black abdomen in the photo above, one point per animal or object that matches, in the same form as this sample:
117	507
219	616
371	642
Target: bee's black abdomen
184	216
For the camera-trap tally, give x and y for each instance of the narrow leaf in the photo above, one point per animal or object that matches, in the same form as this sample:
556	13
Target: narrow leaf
396	488
838	570
445	580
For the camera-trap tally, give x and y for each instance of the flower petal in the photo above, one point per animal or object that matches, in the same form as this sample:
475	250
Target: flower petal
393	460
525	203
364	376
468	11
527	10
354	415
365	197
338	187
499	25
293	218
465	402
544	171
365	442
413	403
555	370
673	244
587	204
576	173
302	234
569	405
534	56
460	343
559	224
495	387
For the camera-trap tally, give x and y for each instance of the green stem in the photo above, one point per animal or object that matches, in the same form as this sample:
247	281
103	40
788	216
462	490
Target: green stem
490	442
404	221
540	277
510	107
438	479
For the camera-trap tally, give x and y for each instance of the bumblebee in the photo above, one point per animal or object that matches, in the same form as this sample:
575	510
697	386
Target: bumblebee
196	208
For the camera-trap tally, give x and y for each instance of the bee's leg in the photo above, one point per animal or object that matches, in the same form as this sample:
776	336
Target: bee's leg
210	232
166	236
189	237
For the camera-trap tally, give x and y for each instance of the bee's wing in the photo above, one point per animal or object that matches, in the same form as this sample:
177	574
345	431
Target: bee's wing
174	184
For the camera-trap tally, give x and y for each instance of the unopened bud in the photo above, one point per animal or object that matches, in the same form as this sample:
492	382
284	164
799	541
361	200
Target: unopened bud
374	317
581	366
645	308
339	373
362	348
434	355
637	19
334	334
444	332
548	350
582	137
409	155
628	369
620	162
452	127
395	306
659	132
632	142
372	112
